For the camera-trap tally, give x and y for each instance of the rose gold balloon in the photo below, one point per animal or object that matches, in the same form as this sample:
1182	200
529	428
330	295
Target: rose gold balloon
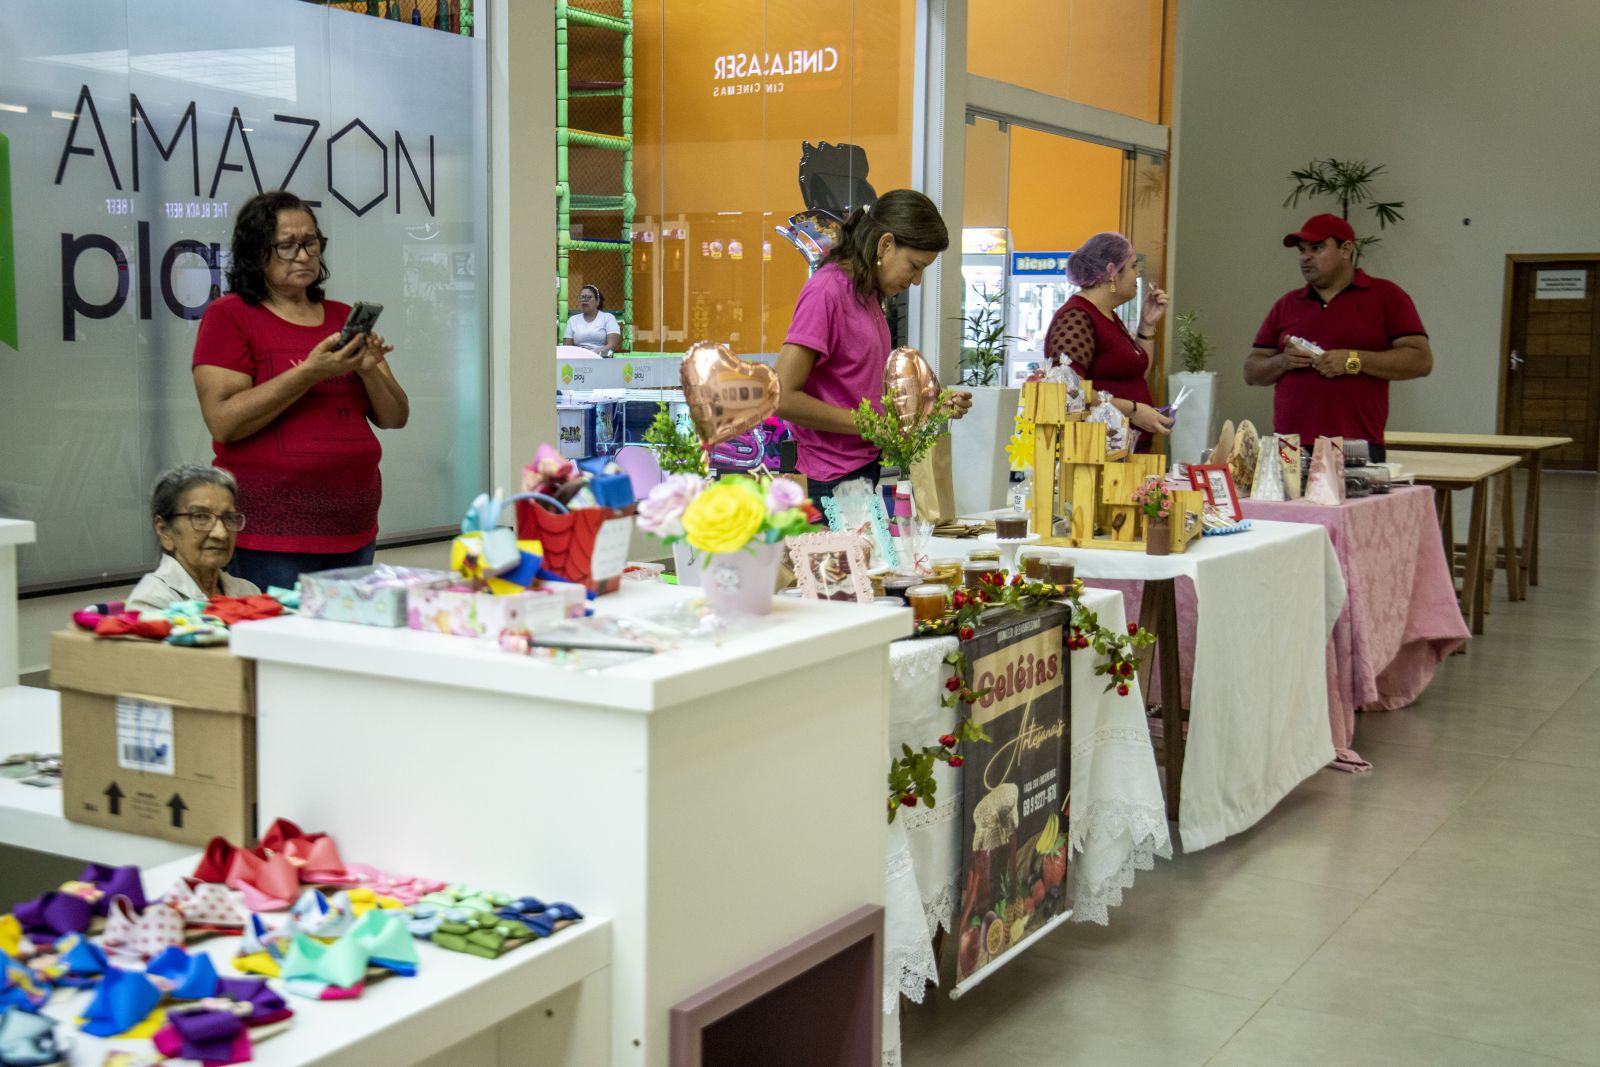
912	382
726	395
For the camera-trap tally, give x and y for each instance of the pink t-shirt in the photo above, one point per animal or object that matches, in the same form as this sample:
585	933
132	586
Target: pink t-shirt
851	339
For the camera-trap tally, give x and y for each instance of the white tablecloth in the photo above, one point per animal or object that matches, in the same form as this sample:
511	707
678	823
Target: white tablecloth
1267	599
1118	823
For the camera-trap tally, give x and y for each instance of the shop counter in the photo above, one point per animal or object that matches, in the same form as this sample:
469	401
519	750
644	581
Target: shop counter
717	803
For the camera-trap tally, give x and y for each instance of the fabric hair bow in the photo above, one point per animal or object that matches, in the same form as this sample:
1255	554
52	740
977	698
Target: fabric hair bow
28	1040
146	935
123	1000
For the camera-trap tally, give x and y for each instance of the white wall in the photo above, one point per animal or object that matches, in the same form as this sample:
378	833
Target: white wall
1481	110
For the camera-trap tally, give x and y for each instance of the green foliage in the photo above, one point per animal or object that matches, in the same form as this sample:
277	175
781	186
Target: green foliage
984	337
1193	345
678	450
1349	182
902	444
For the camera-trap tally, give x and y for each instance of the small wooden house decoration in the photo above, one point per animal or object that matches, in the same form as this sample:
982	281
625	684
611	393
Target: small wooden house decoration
1073	469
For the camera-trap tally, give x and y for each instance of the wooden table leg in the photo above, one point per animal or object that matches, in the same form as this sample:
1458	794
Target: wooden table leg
1473	593
1505	492
1441	500
1530	520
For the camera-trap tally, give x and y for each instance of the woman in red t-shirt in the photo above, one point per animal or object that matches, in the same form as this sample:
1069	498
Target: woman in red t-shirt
290	412
1087	333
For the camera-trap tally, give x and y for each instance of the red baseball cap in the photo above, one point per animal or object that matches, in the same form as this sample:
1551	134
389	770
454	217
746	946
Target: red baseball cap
1321	227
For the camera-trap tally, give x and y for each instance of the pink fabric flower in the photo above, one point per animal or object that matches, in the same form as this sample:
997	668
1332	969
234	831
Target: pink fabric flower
661	512
782	495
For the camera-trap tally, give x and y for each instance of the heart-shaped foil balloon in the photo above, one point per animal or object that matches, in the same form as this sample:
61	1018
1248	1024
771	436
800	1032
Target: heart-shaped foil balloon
913	384
726	395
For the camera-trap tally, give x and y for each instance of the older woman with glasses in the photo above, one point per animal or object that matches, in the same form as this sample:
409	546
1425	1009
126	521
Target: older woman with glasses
290	411
196	518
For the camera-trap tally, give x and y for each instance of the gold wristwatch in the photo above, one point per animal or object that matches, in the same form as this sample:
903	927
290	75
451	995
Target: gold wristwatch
1352	363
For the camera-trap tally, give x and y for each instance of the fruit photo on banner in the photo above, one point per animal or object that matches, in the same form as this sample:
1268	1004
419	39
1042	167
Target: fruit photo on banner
1014	787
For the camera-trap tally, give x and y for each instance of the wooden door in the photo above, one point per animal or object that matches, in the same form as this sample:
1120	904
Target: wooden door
1552	356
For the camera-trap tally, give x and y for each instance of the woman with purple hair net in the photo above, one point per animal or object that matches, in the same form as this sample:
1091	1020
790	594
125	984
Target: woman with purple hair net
1087	333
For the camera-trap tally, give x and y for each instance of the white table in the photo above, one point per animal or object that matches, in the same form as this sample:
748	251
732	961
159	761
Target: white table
30	817
718	803
1258	719
458	1011
1118	823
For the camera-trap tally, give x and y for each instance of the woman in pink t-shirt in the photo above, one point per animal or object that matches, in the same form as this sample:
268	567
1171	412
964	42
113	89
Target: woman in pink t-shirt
838	340
291	412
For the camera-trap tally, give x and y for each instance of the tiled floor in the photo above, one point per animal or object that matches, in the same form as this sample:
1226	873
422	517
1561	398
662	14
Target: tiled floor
1441	910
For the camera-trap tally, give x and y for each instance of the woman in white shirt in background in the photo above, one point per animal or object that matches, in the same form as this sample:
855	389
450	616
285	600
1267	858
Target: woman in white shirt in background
592	328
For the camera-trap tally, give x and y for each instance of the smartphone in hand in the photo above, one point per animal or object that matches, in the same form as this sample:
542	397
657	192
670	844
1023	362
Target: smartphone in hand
363	317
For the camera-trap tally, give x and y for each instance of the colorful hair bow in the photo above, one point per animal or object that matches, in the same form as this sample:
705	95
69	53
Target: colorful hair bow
330	972
206	906
108	882
20	987
184	976
54	915
123	1001
146	935
83	964
28	1040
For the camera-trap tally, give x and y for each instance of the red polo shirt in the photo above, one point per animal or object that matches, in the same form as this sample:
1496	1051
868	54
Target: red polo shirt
1368	315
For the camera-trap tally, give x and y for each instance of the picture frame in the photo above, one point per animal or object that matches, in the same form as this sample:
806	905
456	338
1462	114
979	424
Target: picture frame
830	566
859	509
1215	482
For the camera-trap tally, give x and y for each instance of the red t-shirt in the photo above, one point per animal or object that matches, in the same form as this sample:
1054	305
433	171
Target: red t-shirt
309	481
1100	348
1368	315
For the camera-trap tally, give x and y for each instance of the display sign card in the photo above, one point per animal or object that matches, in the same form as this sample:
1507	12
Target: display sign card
1014	789
1560	284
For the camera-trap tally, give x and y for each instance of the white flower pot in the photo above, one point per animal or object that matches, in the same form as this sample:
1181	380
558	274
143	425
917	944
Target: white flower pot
978	448
1195	429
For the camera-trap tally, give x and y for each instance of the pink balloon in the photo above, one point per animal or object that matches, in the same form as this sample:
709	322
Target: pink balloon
909	379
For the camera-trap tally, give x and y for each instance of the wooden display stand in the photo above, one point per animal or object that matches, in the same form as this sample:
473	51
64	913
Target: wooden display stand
1072	468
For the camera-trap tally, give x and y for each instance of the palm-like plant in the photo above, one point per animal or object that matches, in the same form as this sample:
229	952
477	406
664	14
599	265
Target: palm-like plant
1349	181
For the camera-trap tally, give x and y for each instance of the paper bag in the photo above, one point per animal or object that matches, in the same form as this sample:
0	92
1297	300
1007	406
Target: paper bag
933	485
1326	483
1268	481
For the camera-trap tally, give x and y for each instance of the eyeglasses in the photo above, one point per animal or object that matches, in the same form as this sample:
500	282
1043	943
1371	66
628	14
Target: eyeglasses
202	521
290	250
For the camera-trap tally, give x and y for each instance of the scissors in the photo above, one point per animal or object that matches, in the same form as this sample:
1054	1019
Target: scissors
1171	410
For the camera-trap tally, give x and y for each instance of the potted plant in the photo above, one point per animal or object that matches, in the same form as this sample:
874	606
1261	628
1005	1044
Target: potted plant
736	525
1348	181
1155	500
979	463
1193	428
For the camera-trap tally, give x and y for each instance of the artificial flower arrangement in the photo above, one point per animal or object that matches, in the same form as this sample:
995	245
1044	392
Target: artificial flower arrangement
725	515
1155	498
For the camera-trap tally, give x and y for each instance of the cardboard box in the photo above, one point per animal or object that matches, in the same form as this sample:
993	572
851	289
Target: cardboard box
156	739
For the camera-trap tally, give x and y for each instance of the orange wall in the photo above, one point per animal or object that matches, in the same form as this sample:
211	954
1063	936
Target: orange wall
1062	191
729	163
1106	53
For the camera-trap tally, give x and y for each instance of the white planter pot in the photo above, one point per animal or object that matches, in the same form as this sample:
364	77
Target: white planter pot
1196	427
978	448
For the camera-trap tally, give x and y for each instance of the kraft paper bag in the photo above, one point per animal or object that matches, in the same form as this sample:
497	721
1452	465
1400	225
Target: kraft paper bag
933	485
1326	483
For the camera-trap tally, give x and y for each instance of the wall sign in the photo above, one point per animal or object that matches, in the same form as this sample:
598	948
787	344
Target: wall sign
1560	284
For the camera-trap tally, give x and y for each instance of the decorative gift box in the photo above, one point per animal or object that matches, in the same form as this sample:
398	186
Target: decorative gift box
372	596
476	613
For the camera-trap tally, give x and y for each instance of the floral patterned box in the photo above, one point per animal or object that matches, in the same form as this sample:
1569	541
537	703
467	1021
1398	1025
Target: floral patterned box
471	613
372	596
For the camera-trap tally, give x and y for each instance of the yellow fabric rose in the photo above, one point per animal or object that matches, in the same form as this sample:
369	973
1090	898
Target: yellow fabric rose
723	518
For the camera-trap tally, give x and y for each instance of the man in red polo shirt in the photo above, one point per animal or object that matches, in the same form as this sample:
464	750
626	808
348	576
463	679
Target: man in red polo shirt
1368	329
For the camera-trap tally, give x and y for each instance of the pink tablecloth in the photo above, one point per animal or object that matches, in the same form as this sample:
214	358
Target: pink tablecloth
1400	617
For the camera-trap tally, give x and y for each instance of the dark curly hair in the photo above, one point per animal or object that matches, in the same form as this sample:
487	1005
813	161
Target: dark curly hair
906	215
253	231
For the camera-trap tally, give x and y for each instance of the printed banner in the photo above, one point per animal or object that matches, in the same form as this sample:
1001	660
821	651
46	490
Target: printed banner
1014	788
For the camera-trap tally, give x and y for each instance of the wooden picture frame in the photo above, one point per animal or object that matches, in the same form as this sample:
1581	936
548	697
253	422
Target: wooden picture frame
830	566
1215	482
